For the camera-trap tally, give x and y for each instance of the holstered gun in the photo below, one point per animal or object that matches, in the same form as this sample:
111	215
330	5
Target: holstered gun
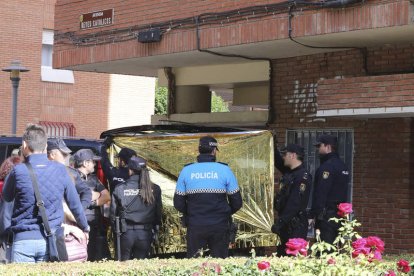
184	221
118	238
232	231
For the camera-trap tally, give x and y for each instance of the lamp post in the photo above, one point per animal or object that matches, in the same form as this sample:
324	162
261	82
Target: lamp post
15	68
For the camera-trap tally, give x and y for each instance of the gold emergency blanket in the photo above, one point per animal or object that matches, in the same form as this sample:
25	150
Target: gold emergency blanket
249	154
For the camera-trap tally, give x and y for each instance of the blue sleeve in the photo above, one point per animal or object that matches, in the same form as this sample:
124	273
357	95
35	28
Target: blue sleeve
181	187
9	187
233	192
180	197
232	185
73	201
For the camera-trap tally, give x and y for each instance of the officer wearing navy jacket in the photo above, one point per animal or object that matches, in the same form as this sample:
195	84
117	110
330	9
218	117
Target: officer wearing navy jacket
293	196
115	175
137	202
207	193
331	187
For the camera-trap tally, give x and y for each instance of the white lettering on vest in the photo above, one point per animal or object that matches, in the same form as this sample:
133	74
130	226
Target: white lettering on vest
204	175
131	192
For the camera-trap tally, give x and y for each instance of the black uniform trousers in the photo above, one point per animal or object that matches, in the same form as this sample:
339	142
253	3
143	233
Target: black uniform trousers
98	248
287	232
213	237
136	243
329	230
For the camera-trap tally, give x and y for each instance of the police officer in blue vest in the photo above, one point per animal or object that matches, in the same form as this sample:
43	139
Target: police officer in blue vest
293	196
207	193
331	187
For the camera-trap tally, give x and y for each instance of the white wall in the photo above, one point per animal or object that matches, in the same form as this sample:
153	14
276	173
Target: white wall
131	101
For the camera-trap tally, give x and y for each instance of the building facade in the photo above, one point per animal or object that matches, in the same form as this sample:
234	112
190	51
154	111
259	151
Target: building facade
342	67
67	103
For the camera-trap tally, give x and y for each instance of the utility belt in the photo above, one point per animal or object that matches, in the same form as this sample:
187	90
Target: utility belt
296	222
327	213
124	226
139	226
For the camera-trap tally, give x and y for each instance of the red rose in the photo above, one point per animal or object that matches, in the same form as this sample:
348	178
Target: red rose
403	266
375	243
390	273
344	209
360	247
331	261
377	256
263	265
295	246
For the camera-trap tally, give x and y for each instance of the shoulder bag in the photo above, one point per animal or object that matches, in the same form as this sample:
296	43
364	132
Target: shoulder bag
53	239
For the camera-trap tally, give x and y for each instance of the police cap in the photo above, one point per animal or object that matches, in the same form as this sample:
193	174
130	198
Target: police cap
136	163
326	139
84	155
56	143
208	142
294	148
126	154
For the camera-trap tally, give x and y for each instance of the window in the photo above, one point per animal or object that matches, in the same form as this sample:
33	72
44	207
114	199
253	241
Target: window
58	129
307	139
47	53
48	73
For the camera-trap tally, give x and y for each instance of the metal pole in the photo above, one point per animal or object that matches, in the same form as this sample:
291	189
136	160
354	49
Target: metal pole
15	84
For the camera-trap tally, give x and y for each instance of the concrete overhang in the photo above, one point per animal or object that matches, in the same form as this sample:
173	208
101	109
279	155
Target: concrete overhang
276	49
365	113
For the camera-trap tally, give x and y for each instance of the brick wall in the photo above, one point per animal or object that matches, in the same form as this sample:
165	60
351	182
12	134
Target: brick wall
383	157
366	92
85	103
130	13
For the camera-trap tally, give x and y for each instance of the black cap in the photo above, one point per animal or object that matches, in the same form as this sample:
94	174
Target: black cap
326	139
208	142
126	154
294	148
85	154
136	163
56	143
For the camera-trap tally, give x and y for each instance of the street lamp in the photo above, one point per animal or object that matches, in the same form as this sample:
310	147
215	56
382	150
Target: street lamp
15	68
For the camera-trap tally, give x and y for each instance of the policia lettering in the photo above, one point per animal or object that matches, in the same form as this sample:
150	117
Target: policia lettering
199	185
136	212
204	175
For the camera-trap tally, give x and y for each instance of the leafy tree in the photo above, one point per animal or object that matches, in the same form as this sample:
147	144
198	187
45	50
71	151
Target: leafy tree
218	104
161	99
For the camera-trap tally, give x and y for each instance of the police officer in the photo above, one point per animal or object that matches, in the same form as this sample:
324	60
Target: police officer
85	161
331	187
115	175
293	196
59	152
207	193
137	202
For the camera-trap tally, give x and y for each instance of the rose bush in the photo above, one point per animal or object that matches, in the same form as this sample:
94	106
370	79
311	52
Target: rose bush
297	246
403	266
263	265
372	247
344	209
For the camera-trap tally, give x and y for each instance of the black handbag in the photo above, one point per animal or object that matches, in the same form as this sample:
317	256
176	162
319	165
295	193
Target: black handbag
55	241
